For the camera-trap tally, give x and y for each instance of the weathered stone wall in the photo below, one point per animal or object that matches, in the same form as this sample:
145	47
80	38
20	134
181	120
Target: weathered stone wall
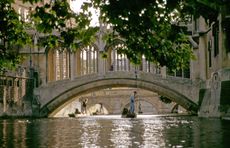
13	93
216	101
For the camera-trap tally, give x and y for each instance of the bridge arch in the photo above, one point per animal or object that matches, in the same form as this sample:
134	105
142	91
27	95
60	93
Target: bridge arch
65	90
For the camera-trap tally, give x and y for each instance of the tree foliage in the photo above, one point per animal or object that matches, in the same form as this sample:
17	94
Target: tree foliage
58	25
71	29
12	36
148	27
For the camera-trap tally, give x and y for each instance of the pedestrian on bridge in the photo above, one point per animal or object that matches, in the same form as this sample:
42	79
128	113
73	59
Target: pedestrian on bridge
132	102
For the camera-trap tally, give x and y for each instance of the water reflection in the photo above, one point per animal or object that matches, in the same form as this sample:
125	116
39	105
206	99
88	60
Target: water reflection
113	131
13	133
120	133
89	132
153	136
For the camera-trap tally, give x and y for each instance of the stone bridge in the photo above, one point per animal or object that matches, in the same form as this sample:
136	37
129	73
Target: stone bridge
183	91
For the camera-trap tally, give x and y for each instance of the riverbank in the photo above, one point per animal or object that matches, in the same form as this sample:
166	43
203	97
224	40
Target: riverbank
6	116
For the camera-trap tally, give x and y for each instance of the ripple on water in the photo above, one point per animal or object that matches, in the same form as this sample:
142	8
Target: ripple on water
114	131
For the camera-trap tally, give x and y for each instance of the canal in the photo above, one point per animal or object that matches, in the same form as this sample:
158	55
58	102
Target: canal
146	131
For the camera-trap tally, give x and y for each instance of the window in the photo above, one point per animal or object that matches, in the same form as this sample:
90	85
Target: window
196	26
119	60
215	32
210	53
26	15
62	65
20	13
89	60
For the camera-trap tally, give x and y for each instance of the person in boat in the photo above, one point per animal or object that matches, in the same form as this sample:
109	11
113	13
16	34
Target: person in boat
132	102
84	106
77	111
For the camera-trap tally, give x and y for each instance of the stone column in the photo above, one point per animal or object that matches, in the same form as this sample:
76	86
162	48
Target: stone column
89	62
110	65
202	50
4	98
72	66
202	58
101	64
60	60
15	90
66	66
215	95
51	68
144	63
78	63
163	72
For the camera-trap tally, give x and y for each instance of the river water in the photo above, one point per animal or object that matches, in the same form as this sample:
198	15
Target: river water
145	131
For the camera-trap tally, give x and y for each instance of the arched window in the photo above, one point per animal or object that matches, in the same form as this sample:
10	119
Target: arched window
145	65
61	65
89	60
119	60
57	66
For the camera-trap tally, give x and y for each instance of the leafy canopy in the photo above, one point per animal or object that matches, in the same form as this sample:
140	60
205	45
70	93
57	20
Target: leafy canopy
12	35
149	28
72	30
58	25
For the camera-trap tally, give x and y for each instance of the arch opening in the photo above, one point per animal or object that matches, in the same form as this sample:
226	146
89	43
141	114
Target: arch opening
96	82
113	101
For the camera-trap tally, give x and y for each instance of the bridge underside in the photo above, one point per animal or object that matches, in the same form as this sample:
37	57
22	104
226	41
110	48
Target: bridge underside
55	103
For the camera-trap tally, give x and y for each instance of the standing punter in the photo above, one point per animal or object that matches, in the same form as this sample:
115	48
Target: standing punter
132	102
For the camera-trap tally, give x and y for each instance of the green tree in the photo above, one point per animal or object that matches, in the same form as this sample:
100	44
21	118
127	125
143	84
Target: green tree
72	29
58	24
12	36
148	27
151	27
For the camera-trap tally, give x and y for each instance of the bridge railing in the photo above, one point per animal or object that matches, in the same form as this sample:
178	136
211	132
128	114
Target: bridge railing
150	68
70	66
